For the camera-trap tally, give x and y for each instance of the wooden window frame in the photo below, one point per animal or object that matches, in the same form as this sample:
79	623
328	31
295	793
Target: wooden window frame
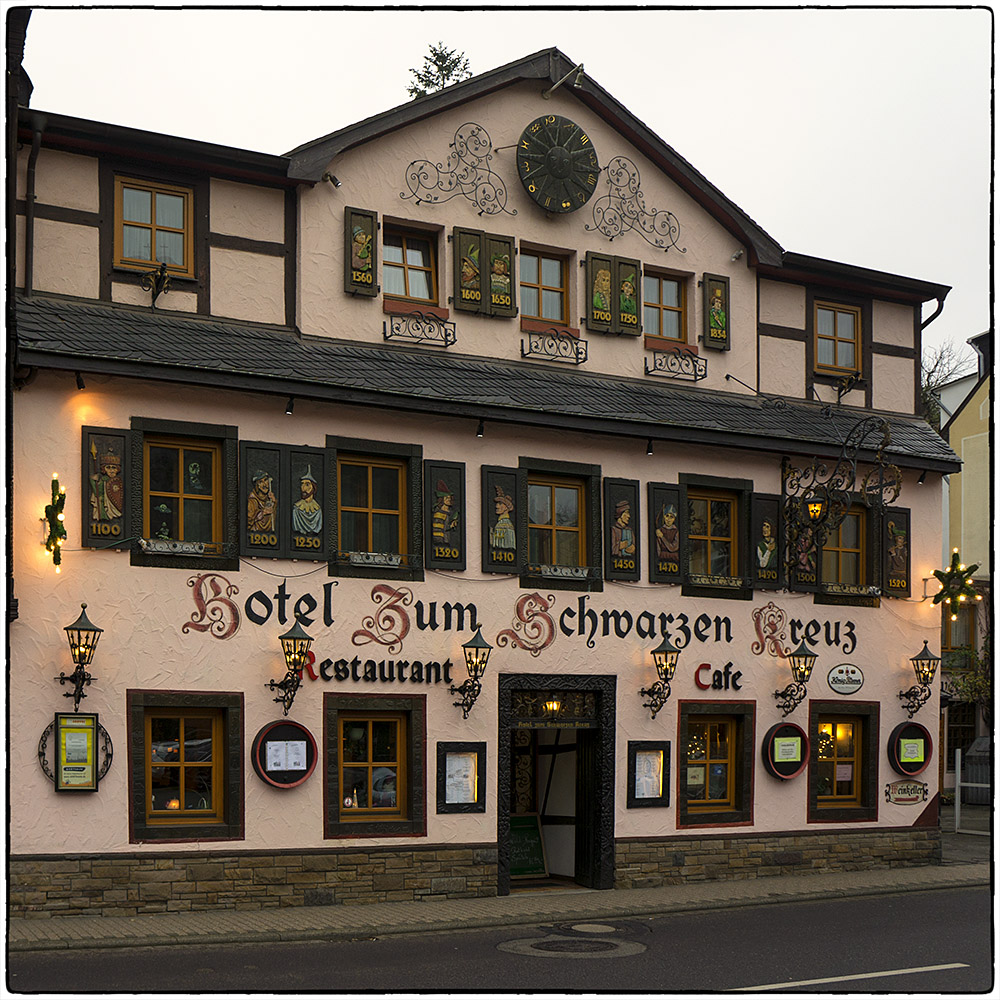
403	233
707	805
717	496
563	289
370	462
863	805
833	544
950	653
215	447
660	339
835	308
552	483
154	187
372	813
835	800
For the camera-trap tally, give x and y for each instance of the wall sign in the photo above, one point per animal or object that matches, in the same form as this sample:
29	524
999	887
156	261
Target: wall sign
845	678
527	849
461	777
360	252
444	514
910	748
717	312
766	556
76	752
283	754
785	751
896	552
906	793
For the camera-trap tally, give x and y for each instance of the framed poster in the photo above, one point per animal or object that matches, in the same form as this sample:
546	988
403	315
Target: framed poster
461	777
767	570
444	514
664	506
896	552
76	752
648	774
715	288
499	519
621	529
104	494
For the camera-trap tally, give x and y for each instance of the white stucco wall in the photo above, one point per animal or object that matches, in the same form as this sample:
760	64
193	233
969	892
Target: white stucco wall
892	383
248	286
783	304
247	210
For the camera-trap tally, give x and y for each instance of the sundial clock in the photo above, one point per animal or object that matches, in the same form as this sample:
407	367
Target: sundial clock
557	164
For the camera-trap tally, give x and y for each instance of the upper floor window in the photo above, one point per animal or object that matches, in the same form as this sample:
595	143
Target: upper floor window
556	523
712	534
153	225
844	552
664	307
837	337
372	507
958	636
544	287
182	491
409	265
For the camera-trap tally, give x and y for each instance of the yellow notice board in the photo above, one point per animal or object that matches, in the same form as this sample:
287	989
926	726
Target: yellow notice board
76	753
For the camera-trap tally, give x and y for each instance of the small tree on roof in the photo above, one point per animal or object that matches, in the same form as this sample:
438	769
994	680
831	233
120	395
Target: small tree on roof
442	66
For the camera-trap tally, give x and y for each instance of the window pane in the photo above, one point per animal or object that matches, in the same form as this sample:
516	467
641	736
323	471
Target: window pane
197	740
697	744
353	485
567	506
529	268
721	558
824	778
137	243
355	787
418	252
395	283
354	531
824	352
383	740
162	517
719	747
136	205
845	739
393	249
830	567
850	568
197	471
384	788
540	546
165	735
197	788
529	301
169	211
552	272
163	469
355	741
166	791
385	533
718	781
539	505
197	520
824	322
671	325
698	517
567	548
698	557
845	326
420	286
651	320
385	488
845	354
849	532
671	293
170	248
721	513
552	305
650	289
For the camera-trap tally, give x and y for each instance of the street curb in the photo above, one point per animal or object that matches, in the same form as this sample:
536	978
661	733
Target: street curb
362	930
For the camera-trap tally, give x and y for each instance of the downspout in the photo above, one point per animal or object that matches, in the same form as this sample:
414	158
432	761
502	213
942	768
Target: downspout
29	213
934	315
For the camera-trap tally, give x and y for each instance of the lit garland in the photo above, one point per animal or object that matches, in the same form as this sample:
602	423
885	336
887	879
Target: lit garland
956	584
55	517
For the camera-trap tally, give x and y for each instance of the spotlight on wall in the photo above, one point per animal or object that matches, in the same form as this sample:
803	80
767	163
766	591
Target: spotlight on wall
925	664
290	405
923	476
477	653
481	429
801	663
736	256
577	83
665	660
80	384
295	645
83	636
649	446
334	180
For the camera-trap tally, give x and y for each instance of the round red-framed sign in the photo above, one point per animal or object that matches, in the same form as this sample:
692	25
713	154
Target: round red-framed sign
785	750
910	749
283	754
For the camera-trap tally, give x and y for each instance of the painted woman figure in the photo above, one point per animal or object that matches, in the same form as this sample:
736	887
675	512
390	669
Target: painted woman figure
602	290
307	515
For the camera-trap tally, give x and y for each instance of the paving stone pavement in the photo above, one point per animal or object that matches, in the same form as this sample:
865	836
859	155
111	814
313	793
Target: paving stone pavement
967	862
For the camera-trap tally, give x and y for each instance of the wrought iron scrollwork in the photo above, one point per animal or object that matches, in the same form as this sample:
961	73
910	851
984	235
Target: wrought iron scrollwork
678	362
156	282
623	209
467	172
420	328
105	751
556	346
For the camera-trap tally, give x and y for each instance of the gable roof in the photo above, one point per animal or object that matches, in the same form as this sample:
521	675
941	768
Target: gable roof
69	334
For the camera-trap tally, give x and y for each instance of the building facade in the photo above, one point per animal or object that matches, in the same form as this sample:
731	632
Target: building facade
495	376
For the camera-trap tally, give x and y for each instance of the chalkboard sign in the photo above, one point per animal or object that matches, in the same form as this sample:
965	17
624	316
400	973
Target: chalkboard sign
527	852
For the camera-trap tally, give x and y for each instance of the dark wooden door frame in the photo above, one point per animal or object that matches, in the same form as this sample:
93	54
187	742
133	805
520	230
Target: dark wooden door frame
605	685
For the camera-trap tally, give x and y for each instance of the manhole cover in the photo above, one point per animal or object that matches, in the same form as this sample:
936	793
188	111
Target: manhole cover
556	945
576	944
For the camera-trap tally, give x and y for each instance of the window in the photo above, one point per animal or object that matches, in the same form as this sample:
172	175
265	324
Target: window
843	765
372	766
664	307
185	765
844	552
715	762
556	523
544	291
958	637
409	265
837	337
375	765
372	508
712	535
961	730
153	224
182	491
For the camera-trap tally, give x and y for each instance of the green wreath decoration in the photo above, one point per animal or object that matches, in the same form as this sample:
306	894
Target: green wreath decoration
956	584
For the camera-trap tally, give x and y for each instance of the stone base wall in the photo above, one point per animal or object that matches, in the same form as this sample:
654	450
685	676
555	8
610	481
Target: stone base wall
126	885
641	863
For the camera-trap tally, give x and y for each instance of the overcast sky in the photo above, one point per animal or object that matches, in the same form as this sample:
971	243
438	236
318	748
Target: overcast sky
857	135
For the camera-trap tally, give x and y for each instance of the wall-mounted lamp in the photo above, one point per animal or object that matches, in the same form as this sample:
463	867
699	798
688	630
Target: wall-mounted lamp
55	529
801	663
334	180
736	256
481	429
552	708
477	653
290	405
577	83
649	446
295	645
921	478
665	660
80	384
83	636
924	666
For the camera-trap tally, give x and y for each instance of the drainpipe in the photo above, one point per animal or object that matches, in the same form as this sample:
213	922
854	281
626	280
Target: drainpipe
934	315
29	213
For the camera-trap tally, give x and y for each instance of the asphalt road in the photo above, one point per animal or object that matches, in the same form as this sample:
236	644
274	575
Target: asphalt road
930	942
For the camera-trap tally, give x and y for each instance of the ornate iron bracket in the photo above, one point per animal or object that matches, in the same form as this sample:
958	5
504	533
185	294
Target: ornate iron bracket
623	209
468	691
658	694
556	346
913	698
678	362
790	697
467	172
156	281
288	686
80	679
420	328
106	751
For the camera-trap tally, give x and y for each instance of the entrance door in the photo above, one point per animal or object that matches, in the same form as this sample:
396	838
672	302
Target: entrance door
586	723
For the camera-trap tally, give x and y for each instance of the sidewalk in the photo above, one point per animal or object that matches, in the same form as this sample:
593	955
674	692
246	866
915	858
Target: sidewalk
967	862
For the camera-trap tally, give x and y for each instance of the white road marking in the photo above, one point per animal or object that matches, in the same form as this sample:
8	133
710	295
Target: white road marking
844	979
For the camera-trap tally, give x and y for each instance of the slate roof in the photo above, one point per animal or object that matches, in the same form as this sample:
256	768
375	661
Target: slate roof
166	345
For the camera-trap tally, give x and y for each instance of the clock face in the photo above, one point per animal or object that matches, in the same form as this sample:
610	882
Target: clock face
557	164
